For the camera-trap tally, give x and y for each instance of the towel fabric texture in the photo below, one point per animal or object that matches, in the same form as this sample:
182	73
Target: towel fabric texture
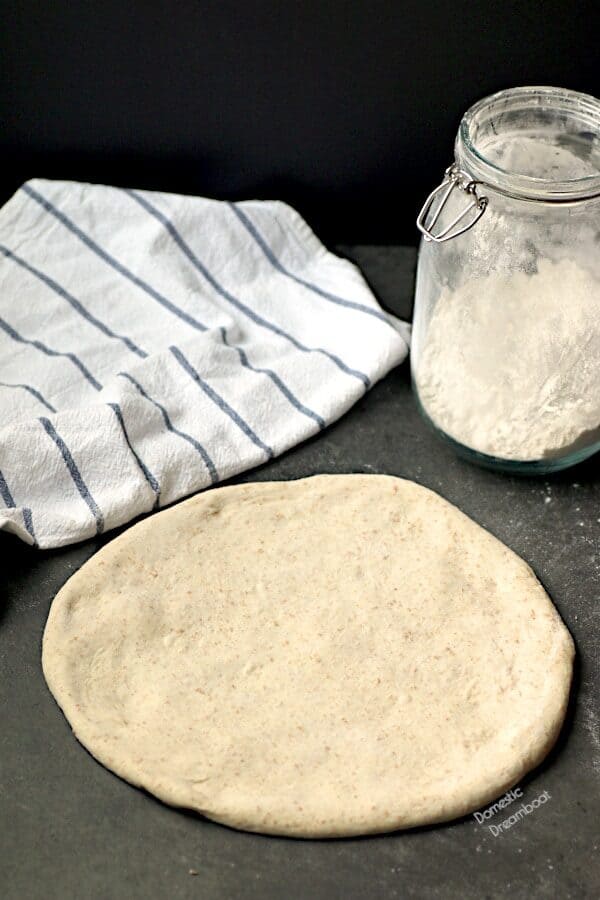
152	345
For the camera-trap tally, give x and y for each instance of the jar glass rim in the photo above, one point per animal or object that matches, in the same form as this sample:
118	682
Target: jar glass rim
580	106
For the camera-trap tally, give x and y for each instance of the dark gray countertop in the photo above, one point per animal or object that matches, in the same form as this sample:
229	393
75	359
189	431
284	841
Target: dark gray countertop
71	829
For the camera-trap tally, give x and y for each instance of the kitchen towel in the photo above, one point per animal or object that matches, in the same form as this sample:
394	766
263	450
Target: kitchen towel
152	345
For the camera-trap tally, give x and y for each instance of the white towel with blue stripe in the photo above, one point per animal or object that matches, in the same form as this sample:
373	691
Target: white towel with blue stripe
152	345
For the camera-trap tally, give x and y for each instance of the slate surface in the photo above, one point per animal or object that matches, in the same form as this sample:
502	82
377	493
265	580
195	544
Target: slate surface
71	829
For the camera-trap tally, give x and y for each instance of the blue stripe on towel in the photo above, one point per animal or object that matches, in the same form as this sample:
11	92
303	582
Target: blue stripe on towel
5	493
75	473
33	391
116	265
254	316
143	468
28	520
10	504
214	476
10	331
276	381
77	306
220	402
277	264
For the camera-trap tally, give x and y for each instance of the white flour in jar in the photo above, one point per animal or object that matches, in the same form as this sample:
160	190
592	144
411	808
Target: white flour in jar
511	364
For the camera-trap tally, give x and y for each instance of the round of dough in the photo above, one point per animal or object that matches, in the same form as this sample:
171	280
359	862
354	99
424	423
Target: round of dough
336	655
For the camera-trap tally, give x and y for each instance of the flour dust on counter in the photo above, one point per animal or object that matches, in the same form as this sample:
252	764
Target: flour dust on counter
336	655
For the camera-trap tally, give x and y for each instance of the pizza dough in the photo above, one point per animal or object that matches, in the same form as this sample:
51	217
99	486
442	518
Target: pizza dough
331	656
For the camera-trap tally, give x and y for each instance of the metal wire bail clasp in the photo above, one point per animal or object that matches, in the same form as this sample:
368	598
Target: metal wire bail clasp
430	213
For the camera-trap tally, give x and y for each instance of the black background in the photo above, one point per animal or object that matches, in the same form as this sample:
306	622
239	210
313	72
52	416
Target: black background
346	110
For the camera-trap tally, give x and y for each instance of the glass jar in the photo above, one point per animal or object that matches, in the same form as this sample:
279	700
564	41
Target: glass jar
506	335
